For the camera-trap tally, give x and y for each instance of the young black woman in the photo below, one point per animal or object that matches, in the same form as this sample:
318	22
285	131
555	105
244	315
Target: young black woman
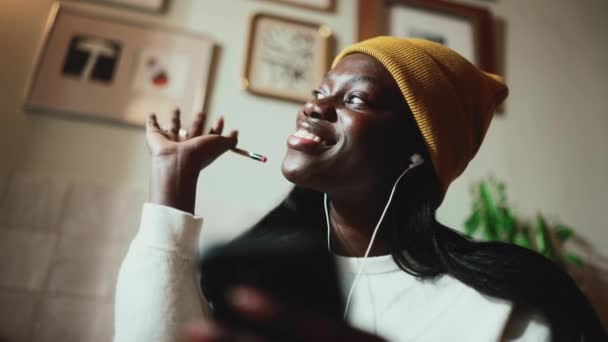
384	101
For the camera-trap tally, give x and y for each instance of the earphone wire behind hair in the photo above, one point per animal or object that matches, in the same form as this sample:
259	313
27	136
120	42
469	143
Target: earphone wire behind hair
415	161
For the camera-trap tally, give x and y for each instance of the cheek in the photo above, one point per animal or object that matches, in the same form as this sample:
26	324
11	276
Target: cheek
369	135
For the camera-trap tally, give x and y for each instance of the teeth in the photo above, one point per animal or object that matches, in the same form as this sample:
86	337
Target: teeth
302	133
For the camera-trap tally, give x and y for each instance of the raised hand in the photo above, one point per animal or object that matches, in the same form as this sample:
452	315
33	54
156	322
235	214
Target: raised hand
286	324
178	155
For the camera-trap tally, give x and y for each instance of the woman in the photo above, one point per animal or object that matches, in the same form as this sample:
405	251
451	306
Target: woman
402	115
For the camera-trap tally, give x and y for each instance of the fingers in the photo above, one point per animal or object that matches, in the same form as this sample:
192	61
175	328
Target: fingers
253	303
264	310
174	125
208	331
293	322
174	132
152	123
234	134
275	322
217	145
204	332
218	127
197	125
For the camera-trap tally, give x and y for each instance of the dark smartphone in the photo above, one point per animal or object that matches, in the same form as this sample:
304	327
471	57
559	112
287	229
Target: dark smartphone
298	273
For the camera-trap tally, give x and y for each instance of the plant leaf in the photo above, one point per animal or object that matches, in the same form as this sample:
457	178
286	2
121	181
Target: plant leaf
573	259
472	223
487	200
522	238
563	233
543	240
508	224
490	215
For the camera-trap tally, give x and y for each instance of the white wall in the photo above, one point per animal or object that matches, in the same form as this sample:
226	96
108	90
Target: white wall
73	200
234	191
549	146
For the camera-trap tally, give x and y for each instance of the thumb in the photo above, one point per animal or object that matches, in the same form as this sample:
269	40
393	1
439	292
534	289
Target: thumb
228	142
218	144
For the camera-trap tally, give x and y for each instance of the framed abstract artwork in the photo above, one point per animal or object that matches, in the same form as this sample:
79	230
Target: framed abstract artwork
319	5
286	58
466	29
104	68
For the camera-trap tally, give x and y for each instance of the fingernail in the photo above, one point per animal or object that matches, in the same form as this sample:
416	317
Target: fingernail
203	330
246	299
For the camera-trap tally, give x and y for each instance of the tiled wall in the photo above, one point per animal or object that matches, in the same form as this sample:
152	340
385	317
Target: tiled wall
60	248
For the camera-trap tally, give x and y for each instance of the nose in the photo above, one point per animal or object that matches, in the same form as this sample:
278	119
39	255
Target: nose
320	109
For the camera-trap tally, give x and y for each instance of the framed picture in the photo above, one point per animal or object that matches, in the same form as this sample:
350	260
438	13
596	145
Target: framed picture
468	30
146	5
286	58
319	5
109	69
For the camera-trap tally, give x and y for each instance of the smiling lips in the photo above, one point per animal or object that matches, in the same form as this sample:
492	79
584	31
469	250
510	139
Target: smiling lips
306	141
302	133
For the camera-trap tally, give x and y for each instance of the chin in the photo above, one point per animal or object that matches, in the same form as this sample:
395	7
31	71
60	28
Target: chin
300	171
292	169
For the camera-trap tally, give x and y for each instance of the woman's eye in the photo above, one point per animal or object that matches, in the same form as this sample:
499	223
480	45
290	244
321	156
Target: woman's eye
354	99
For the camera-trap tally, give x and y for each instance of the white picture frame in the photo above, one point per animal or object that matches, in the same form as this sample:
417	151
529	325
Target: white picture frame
104	68
318	5
455	32
145	5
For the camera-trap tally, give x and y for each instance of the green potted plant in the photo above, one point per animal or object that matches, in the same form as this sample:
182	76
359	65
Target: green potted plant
492	219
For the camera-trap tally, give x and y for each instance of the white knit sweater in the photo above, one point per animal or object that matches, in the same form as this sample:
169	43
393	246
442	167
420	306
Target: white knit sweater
157	294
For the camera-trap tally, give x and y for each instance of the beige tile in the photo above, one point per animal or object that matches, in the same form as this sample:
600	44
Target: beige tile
31	203
87	267
104	324
95	210
4	179
25	258
16	315
124	219
70	319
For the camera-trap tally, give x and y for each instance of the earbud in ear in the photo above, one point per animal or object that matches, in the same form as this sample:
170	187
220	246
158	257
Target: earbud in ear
416	160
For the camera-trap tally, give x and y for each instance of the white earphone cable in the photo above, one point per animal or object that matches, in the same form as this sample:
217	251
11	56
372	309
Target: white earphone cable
416	160
328	224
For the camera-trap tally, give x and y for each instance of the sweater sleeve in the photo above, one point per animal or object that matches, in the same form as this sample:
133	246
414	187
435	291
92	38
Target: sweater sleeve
157	292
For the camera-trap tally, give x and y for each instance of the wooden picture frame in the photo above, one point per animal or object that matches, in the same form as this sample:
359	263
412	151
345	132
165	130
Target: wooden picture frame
286	58
105	68
317	5
374	19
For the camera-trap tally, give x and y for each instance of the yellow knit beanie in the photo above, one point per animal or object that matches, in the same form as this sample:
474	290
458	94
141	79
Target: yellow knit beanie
452	101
